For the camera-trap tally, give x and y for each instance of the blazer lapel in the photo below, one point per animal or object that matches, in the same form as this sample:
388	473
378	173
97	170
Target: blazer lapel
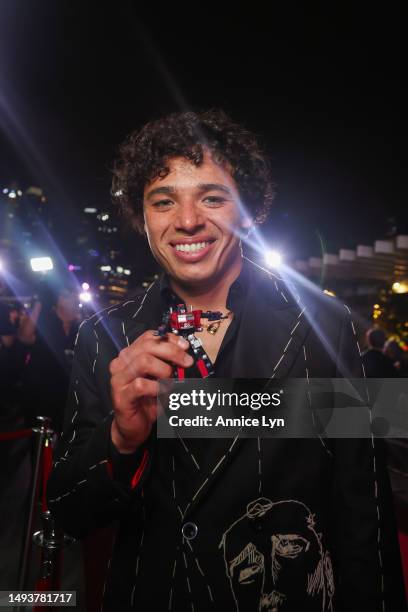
145	314
275	329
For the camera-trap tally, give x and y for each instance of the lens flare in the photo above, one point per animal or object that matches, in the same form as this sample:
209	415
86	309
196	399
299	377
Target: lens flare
273	259
41	264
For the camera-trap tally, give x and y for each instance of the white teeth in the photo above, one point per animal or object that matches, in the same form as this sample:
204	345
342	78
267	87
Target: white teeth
196	246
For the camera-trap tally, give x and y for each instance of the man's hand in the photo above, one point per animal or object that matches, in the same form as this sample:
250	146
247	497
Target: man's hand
134	387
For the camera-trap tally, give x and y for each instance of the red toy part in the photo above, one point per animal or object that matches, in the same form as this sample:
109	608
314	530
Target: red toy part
139	472
203	368
197	318
181	320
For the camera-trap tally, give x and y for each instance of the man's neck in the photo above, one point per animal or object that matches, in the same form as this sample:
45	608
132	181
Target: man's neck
209	296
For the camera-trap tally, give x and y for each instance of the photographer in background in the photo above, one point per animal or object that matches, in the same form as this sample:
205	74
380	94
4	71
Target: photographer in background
48	334
36	349
12	356
15	455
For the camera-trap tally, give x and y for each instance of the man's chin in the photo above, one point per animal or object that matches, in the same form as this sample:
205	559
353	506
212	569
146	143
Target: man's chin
194	280
193	276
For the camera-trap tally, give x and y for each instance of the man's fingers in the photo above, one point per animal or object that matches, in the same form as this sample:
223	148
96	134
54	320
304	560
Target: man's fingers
115	366
147	366
172	353
138	359
151	411
175	339
138	388
148	340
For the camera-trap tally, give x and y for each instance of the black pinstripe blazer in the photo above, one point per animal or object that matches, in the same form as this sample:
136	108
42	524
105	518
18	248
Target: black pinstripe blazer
233	524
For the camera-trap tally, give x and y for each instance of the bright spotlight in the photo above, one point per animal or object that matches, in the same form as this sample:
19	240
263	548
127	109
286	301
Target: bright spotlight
85	286
1	266
85	296
273	259
41	264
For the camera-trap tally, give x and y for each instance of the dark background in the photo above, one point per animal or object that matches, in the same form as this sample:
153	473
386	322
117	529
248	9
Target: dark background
325	91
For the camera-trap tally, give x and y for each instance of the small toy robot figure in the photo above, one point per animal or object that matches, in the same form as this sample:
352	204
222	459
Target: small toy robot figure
180	321
184	323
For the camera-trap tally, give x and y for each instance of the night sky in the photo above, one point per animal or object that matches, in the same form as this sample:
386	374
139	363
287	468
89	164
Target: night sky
325	92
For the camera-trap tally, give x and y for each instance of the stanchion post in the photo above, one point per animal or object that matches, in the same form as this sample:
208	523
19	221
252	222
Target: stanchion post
50	539
41	431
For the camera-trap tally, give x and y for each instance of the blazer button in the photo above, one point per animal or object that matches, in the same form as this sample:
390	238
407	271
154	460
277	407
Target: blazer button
189	531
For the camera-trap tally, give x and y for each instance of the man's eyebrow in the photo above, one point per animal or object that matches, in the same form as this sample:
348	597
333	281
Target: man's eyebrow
203	187
168	190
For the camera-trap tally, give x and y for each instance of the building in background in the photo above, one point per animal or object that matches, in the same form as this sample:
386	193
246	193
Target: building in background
373	279
85	248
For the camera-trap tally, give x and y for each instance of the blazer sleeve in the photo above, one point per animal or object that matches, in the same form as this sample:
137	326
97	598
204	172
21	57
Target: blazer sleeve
91	483
368	558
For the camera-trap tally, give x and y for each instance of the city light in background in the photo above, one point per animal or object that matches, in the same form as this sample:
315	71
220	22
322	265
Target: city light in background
41	264
400	287
85	297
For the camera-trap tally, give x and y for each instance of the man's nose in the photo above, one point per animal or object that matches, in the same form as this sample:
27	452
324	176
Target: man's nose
189	217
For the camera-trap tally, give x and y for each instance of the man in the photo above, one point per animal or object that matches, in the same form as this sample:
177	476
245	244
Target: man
218	524
48	335
376	363
15	472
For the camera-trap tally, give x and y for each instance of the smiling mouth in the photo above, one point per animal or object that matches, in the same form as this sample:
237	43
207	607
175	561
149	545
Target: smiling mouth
192	247
192	252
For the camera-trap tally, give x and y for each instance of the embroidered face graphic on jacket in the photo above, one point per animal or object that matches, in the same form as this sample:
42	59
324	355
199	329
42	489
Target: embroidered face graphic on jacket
275	560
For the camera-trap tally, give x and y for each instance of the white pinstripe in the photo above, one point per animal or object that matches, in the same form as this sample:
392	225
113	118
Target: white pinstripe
374	472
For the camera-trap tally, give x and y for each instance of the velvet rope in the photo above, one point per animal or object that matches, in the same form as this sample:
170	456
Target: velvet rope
14	435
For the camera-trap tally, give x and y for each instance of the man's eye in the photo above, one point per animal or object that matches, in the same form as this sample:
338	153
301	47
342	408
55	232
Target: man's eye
162	204
214	200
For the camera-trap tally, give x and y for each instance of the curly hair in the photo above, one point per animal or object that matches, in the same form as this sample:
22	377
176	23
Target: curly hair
145	154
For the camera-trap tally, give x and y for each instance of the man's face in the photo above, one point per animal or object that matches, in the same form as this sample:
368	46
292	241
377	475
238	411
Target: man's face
192	217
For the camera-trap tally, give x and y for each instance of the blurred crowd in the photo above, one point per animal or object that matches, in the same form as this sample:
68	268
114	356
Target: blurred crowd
383	357
36	350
